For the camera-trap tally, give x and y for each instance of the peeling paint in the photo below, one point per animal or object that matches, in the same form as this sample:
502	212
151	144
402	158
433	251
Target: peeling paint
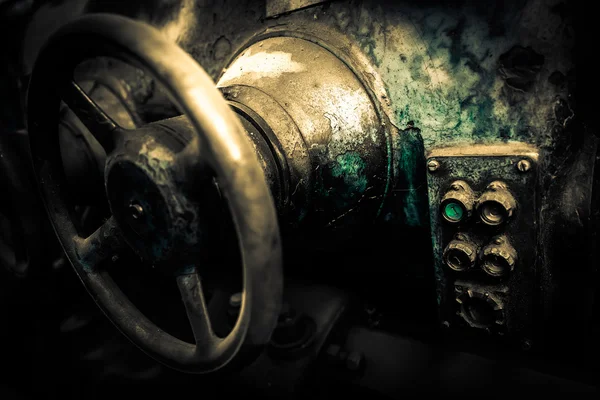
271	64
347	147
445	72
156	153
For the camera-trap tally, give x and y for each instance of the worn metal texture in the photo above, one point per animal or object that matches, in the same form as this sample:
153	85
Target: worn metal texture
268	114
441	74
479	166
445	74
278	7
141	175
266	146
223	145
460	73
346	142
456	72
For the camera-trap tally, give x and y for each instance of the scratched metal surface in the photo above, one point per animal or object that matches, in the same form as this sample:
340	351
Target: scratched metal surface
459	72
521	284
446	73
278	7
456	70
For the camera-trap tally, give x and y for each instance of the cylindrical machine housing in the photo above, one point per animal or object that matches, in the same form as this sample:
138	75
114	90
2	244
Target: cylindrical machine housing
328	139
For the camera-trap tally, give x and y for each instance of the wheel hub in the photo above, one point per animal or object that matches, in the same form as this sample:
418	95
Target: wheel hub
158	220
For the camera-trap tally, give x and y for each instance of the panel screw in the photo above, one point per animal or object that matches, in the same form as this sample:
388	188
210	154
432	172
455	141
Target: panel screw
524	165
433	165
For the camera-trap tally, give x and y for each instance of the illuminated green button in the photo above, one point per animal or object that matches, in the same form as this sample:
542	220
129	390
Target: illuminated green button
453	212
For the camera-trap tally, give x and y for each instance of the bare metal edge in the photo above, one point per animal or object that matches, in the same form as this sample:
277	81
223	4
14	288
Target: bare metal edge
503	149
278	7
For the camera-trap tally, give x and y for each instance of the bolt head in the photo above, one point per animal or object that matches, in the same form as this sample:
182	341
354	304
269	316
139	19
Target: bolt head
136	211
235	300
523	166
433	165
354	361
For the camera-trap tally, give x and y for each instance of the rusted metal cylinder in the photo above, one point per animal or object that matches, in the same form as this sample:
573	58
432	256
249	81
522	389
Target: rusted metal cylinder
331	141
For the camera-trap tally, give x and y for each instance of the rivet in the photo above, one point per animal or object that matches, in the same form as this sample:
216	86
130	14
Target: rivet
523	165
433	165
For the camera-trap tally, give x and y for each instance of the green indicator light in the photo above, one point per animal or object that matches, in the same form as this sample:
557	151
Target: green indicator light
453	212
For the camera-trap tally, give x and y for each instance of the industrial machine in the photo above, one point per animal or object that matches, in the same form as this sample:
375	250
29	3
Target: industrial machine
299	198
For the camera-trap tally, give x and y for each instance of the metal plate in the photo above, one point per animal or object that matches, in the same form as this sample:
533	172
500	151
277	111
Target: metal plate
479	166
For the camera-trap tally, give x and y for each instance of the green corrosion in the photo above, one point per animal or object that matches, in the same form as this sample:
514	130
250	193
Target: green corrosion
411	156
341	183
351	168
441	71
409	194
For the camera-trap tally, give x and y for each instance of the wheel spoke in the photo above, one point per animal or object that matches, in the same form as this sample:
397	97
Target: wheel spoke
197	311
106	242
103	127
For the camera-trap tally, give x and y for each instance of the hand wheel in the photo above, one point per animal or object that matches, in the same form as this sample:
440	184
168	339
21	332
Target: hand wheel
149	180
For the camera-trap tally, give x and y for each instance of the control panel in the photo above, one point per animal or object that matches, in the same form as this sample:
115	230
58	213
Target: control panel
484	229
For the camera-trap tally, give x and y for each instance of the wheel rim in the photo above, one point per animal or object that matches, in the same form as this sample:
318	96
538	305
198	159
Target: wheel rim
218	139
